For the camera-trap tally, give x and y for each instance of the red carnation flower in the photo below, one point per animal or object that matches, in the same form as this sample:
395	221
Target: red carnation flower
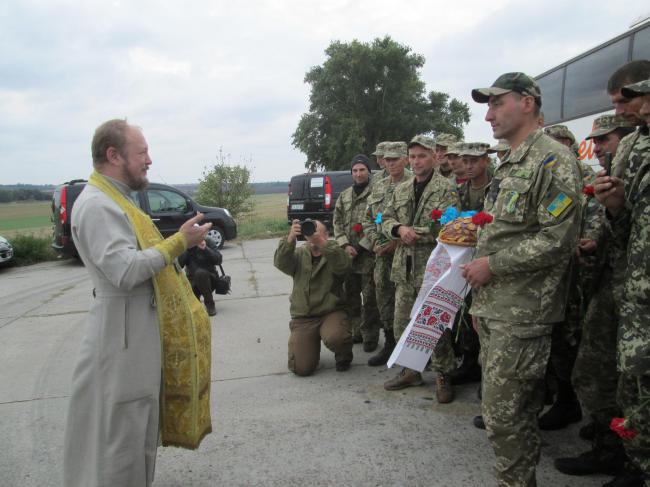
620	427
357	227
588	190
482	218
436	214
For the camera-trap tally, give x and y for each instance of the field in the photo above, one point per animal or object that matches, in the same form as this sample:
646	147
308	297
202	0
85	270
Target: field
268	219
25	218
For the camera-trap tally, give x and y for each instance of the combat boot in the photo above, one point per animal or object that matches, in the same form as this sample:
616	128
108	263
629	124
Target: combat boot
587	432
607	456
469	371
384	354
406	378
565	411
444	390
370	345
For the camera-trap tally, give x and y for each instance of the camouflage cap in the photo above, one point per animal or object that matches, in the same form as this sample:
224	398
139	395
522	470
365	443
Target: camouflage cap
605	124
560	132
472	148
424	141
518	82
453	149
501	146
379	151
637	89
394	149
446	140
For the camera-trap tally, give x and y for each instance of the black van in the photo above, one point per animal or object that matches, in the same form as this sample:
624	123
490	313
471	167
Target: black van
313	195
167	206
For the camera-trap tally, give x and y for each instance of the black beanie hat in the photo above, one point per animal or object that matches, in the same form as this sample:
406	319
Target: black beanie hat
360	159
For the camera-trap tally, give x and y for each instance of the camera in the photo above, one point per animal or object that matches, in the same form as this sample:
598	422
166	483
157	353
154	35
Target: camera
308	227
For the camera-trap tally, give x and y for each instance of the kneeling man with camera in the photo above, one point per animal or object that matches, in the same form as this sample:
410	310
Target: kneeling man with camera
317	301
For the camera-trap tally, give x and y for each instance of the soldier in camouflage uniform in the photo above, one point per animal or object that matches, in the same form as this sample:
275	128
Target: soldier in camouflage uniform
472	195
407	220
626	197
500	149
518	275
594	374
458	175
348	232
383	246
566	335
379	156
444	142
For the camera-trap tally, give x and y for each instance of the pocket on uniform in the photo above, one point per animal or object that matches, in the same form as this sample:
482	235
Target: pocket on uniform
512	201
522	358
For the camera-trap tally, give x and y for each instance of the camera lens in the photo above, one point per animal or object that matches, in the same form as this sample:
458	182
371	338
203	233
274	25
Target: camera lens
308	227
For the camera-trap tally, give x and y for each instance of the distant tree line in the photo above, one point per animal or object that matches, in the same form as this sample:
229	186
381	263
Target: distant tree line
23	194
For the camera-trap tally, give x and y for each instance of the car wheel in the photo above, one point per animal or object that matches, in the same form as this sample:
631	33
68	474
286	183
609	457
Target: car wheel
216	235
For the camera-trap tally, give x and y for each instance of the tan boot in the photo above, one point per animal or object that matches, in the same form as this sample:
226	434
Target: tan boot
406	378
444	391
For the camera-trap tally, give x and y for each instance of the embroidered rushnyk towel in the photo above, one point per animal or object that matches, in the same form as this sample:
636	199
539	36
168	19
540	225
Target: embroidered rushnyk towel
441	295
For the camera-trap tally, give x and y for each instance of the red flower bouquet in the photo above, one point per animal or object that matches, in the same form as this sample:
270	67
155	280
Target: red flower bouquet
588	190
436	214
482	218
620	427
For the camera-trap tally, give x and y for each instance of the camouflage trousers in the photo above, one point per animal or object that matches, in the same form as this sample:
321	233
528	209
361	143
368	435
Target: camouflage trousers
513	358
385	290
363	314
443	358
595	377
633	396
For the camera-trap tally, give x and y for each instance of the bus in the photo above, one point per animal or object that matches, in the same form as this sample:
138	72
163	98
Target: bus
574	93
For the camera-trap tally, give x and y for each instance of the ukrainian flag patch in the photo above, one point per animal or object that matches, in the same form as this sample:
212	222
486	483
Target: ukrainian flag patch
559	204
549	162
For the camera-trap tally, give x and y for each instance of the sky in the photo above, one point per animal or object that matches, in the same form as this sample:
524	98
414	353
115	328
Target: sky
205	78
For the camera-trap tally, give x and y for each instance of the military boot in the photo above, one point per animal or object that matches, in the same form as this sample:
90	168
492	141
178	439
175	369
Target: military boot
406	378
565	410
606	456
444	390
469	371
384	354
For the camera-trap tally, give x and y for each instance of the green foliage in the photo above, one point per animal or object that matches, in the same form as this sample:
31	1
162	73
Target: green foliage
226	186
29	249
365	93
265	228
22	194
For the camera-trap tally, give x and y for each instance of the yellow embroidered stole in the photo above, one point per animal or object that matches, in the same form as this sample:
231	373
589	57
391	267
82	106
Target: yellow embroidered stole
184	333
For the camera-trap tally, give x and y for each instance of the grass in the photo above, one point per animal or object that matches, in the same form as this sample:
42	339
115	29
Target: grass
268	218
25	218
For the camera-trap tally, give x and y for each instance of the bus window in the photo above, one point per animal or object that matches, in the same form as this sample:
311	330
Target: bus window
551	87
586	80
641	48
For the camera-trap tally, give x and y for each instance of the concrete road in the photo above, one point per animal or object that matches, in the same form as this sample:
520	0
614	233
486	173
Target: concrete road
270	427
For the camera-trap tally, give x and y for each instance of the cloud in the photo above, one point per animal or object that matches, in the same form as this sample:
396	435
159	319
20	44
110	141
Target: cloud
207	74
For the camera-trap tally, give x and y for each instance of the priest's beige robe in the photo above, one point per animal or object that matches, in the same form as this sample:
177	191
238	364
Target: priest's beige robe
112	424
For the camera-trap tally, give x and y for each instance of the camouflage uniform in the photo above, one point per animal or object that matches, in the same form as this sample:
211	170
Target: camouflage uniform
631	230
446	140
467	342
381	193
409	262
595	377
349	212
535	200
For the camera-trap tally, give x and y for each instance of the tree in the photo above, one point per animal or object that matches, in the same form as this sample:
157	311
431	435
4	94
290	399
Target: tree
226	186
365	93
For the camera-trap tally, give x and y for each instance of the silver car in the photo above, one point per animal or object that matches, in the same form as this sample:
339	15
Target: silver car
6	252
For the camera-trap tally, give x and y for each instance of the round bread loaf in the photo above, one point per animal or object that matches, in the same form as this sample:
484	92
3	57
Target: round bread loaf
461	231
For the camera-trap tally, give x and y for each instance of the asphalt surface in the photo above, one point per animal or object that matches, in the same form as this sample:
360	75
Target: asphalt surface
270	428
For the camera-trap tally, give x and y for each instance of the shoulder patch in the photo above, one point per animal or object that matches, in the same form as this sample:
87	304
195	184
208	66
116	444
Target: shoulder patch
549	162
559	204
